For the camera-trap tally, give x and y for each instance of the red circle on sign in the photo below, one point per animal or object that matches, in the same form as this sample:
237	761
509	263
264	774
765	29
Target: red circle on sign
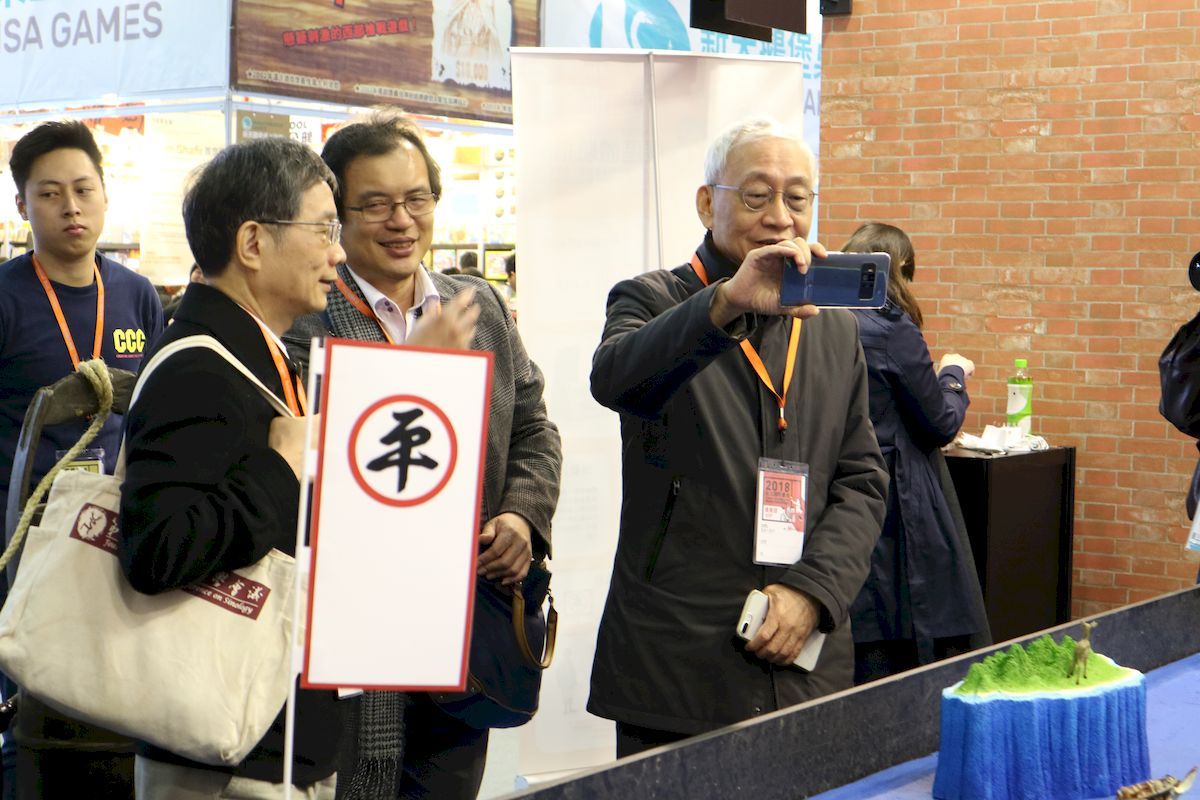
370	490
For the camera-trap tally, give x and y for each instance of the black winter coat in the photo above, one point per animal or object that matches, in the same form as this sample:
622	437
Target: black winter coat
204	492
1179	376
923	584
694	421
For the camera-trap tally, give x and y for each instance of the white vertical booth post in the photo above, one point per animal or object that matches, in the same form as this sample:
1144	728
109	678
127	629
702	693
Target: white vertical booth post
607	180
658	218
316	376
230	118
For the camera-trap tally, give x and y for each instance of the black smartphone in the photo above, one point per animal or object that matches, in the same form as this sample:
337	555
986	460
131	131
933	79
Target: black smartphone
841	280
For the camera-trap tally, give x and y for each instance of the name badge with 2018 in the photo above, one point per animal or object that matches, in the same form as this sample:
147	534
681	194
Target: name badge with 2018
780	512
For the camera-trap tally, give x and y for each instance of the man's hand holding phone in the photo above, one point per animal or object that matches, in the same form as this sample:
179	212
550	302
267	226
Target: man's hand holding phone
837	280
755	286
790	623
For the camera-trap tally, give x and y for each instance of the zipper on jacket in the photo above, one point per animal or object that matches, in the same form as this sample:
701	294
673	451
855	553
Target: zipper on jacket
668	509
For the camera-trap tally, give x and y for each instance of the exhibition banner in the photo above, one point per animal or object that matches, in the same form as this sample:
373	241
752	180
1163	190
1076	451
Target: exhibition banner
444	57
173	146
261	124
663	25
64	51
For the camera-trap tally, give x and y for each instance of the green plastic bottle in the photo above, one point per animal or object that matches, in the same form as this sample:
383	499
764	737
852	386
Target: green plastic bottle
1020	397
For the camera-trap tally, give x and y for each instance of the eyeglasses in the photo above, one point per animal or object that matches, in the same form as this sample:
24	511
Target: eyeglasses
332	233
417	205
756	197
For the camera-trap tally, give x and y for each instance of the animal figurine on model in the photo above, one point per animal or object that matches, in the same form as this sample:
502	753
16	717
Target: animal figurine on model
1083	651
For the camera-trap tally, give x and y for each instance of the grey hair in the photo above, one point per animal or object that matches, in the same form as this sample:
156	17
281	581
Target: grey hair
745	132
262	179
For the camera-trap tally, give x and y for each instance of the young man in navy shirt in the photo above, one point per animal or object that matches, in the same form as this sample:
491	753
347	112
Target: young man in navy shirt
62	304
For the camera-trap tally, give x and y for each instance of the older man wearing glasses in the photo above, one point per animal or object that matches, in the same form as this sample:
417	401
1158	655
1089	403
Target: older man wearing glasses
735	412
389	186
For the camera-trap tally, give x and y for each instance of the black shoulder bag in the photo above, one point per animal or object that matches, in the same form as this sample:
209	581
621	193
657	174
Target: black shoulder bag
512	642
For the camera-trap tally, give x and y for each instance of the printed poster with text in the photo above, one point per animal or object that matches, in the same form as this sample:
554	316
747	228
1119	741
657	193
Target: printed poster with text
444	57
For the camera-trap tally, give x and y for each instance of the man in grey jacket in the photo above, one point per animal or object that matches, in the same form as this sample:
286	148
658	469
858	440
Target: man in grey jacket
389	186
710	375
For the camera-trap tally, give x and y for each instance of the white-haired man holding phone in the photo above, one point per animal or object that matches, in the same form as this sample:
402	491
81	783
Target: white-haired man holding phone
725	395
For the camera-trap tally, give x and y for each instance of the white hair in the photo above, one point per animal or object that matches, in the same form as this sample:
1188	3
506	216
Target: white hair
744	132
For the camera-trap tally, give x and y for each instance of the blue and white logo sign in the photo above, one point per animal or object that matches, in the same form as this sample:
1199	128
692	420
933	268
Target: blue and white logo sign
646	24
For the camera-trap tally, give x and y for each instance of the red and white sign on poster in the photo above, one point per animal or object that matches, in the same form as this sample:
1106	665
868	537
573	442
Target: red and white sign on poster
395	516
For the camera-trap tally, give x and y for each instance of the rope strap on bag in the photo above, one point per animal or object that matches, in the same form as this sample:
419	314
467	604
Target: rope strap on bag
96	371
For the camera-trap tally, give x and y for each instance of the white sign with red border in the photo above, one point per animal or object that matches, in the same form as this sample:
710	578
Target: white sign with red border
395	516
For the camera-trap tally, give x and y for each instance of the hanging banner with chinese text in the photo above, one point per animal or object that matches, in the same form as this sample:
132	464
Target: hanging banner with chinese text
395	516
444	57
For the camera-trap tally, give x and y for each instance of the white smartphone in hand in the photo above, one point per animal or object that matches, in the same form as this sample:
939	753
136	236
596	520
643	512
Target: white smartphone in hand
754	612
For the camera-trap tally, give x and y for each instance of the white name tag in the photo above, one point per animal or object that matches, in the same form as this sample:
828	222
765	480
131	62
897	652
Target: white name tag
780	511
1193	542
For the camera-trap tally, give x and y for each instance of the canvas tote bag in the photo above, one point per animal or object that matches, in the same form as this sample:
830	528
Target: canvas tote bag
200	671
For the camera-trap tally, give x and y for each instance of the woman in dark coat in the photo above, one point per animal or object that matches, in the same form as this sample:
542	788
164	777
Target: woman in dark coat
921	601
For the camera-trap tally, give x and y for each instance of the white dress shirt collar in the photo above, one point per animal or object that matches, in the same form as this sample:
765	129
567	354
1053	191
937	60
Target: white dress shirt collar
399	324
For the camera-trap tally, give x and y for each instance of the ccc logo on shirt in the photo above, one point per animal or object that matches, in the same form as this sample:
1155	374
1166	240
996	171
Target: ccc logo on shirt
129	340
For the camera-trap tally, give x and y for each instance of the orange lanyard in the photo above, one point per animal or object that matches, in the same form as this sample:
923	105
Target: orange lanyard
369	312
363	308
756	362
293	392
62	320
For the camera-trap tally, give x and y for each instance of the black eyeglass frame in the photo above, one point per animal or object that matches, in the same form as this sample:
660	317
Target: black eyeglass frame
390	205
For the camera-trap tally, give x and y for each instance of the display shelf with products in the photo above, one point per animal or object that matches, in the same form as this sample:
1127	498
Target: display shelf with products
495	270
495	257
444	255
150	148
15	236
128	254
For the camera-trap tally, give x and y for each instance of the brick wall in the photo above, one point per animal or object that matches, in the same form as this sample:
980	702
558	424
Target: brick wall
1043	157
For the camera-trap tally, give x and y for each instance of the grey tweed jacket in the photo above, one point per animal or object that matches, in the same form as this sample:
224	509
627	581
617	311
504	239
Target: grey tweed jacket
524	451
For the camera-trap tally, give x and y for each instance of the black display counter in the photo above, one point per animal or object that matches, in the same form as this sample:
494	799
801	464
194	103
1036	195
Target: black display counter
824	744
1020	512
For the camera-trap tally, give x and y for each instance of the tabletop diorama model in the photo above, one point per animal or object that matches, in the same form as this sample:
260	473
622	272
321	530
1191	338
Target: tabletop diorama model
1055	719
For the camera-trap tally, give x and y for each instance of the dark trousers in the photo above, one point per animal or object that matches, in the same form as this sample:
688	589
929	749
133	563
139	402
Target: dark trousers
634	739
87	769
875	660
72	774
443	758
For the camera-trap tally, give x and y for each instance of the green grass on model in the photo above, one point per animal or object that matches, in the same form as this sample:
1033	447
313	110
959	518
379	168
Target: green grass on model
1044	667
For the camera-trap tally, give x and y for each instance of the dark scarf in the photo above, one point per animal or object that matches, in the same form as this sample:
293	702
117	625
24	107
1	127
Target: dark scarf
379	729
